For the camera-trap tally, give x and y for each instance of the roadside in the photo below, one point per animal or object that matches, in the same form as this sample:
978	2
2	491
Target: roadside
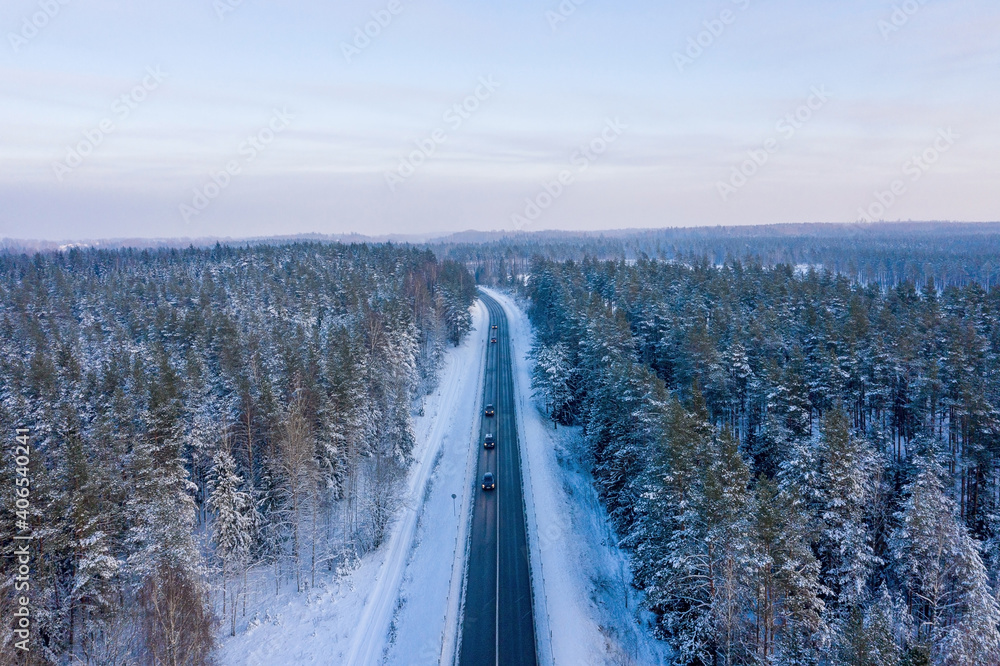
426	619
586	609
349	616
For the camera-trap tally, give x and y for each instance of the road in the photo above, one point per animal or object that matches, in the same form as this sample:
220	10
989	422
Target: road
498	623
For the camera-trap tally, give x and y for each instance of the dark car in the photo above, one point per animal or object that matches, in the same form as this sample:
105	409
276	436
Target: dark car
489	442
493	340
488	482
489	410
494	327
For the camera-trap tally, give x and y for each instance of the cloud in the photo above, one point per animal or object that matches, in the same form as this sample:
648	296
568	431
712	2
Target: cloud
355	120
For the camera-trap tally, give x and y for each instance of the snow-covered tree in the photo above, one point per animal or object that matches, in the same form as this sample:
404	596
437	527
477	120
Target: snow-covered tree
694	537
236	523
552	380
955	611
845	483
788	605
872	634
296	467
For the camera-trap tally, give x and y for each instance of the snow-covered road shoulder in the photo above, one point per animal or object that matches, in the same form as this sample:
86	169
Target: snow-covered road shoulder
427	606
586	609
446	423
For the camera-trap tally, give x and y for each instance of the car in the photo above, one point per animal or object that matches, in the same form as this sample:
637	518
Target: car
494	327
488	482
493	340
489	442
489	410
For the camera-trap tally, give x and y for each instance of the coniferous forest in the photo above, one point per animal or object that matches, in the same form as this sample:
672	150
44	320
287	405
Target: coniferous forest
197	414
804	468
950	253
802	461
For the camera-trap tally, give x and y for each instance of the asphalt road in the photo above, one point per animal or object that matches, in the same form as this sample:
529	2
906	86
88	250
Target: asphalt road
498	624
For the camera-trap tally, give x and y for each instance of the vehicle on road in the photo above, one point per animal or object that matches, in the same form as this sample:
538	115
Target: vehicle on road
493	340
489	442
488	482
489	410
494	327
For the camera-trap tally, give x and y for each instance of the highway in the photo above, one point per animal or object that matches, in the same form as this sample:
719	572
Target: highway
497	621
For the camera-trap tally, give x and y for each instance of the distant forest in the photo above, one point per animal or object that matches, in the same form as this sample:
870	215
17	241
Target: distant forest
805	468
951	254
194	414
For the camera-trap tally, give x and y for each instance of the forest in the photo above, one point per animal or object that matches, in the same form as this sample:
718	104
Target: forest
197	414
951	253
797	443
804	467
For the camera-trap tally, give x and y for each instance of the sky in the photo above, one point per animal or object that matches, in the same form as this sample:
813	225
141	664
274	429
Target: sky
239	118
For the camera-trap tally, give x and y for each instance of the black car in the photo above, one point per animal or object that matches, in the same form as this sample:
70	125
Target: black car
489	410
494	327
489	442
493	340
488	482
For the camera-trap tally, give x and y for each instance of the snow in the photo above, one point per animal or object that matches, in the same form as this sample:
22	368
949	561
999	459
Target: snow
424	630
587	611
314	627
401	601
402	604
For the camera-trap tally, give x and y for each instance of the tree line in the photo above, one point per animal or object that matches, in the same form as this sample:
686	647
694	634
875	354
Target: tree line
199	414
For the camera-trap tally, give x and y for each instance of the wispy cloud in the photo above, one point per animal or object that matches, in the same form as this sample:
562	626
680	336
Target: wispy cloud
354	119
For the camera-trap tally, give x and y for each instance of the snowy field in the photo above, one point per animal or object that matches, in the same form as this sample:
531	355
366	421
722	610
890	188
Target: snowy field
399	602
587	611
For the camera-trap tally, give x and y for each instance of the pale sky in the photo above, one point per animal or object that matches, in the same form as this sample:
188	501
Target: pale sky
116	116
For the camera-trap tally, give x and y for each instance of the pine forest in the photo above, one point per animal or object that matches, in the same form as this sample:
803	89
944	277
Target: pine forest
197	414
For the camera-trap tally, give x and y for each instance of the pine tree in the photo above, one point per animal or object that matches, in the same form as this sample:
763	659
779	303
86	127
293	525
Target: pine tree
956	614
298	473
873	634
552	380
695	532
236	523
726	512
845	486
168	574
670	538
788	606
